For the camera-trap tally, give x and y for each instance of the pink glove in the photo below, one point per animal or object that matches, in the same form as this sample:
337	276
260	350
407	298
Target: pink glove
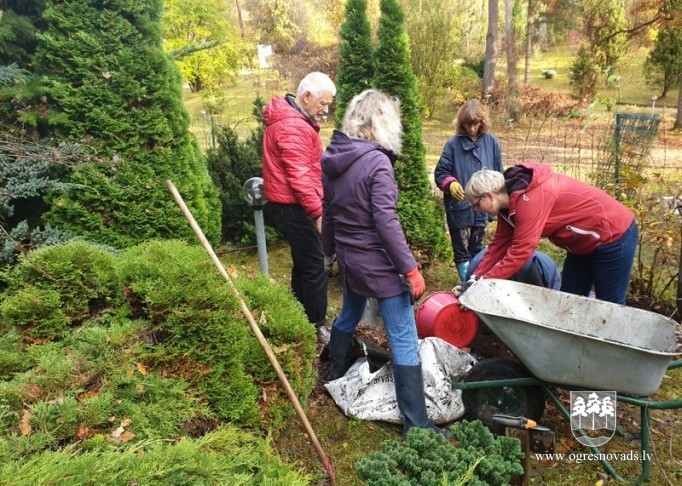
416	283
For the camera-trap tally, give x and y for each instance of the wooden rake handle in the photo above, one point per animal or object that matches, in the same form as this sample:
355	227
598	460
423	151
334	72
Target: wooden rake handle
256	330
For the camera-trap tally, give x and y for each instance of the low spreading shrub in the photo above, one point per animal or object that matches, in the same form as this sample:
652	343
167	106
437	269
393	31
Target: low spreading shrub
426	458
103	354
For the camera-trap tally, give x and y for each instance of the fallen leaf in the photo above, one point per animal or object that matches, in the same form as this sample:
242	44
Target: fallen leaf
280	349
87	395
25	423
120	432
142	368
32	392
83	432
127	436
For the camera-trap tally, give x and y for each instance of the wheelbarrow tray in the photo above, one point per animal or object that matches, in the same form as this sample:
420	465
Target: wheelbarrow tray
572	340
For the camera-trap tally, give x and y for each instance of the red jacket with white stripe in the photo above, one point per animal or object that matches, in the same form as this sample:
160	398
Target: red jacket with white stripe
571	214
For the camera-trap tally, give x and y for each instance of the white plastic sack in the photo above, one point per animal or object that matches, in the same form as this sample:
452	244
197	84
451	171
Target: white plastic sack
371	396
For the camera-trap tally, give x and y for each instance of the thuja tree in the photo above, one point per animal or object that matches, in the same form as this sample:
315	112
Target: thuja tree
20	20
231	163
110	81
604	25
355	69
419	213
663	65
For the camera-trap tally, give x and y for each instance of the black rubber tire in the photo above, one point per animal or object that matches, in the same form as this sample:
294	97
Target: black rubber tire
520	401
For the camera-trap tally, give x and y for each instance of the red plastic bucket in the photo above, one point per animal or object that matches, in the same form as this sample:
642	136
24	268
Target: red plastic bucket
440	316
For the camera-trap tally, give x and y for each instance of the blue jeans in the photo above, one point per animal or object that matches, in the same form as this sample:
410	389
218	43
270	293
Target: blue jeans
609	269
398	315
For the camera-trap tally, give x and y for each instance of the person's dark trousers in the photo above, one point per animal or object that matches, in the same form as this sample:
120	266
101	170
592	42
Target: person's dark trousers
466	242
308	278
409	390
339	344
609	269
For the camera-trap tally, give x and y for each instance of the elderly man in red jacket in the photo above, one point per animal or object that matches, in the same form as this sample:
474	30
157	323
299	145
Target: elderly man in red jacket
292	179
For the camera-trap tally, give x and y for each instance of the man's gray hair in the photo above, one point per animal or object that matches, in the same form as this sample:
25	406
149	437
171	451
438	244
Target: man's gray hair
372	115
483	182
317	84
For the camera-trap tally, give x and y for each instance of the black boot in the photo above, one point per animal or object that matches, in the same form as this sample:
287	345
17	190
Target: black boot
409	389
339	343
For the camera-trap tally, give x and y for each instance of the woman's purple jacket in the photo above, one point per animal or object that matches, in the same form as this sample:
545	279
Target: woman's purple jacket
360	220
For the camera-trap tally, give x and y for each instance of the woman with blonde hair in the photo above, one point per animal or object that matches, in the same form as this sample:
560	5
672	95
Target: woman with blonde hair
531	202
360	225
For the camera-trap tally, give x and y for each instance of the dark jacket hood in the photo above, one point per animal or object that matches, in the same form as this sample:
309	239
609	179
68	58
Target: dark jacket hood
523	176
342	152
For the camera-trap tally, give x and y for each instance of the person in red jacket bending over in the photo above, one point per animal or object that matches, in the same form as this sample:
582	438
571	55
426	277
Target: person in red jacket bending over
292	180
531	201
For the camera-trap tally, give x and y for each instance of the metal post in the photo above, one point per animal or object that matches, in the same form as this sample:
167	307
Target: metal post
254	195
616	140
213	142
260	240
679	272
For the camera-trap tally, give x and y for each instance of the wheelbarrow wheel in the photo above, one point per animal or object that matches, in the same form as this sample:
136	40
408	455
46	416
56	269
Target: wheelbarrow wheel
519	401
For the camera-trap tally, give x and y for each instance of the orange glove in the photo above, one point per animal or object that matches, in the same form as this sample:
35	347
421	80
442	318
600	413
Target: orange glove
416	283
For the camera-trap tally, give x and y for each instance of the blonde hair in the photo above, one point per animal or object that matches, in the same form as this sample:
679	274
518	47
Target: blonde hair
372	115
470	113
485	181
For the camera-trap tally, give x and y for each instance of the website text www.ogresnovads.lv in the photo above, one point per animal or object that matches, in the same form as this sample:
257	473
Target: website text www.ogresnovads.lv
580	457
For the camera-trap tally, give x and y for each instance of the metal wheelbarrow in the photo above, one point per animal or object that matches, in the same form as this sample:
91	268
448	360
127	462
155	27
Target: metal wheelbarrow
572	342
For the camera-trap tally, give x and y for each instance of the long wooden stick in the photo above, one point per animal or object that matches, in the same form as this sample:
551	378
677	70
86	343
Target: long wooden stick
256	330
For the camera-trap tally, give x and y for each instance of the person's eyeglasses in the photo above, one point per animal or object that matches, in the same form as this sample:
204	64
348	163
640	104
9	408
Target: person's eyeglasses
478	202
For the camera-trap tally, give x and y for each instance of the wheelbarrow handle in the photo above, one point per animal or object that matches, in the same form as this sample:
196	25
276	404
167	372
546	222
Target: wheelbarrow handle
518	422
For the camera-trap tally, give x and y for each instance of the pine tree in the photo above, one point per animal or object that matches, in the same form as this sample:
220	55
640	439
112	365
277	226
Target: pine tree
355	69
420	216
110	81
663	65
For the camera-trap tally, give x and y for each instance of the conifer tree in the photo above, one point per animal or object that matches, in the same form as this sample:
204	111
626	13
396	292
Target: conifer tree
355	69
420	216
110	81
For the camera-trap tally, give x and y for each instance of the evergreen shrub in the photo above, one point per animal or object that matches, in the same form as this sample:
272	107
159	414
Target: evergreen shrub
165	358
426	458
230	164
56	284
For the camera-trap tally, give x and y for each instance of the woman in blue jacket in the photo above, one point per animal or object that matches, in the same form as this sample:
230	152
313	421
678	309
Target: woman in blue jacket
360	225
471	149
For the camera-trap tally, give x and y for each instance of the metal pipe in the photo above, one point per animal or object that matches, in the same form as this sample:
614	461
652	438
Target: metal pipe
260	241
256	330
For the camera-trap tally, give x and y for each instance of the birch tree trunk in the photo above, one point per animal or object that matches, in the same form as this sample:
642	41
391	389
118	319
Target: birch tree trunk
491	46
512	103
678	118
529	41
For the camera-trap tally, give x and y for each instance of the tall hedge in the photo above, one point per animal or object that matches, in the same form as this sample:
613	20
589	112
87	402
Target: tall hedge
356	64
109	80
421	217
